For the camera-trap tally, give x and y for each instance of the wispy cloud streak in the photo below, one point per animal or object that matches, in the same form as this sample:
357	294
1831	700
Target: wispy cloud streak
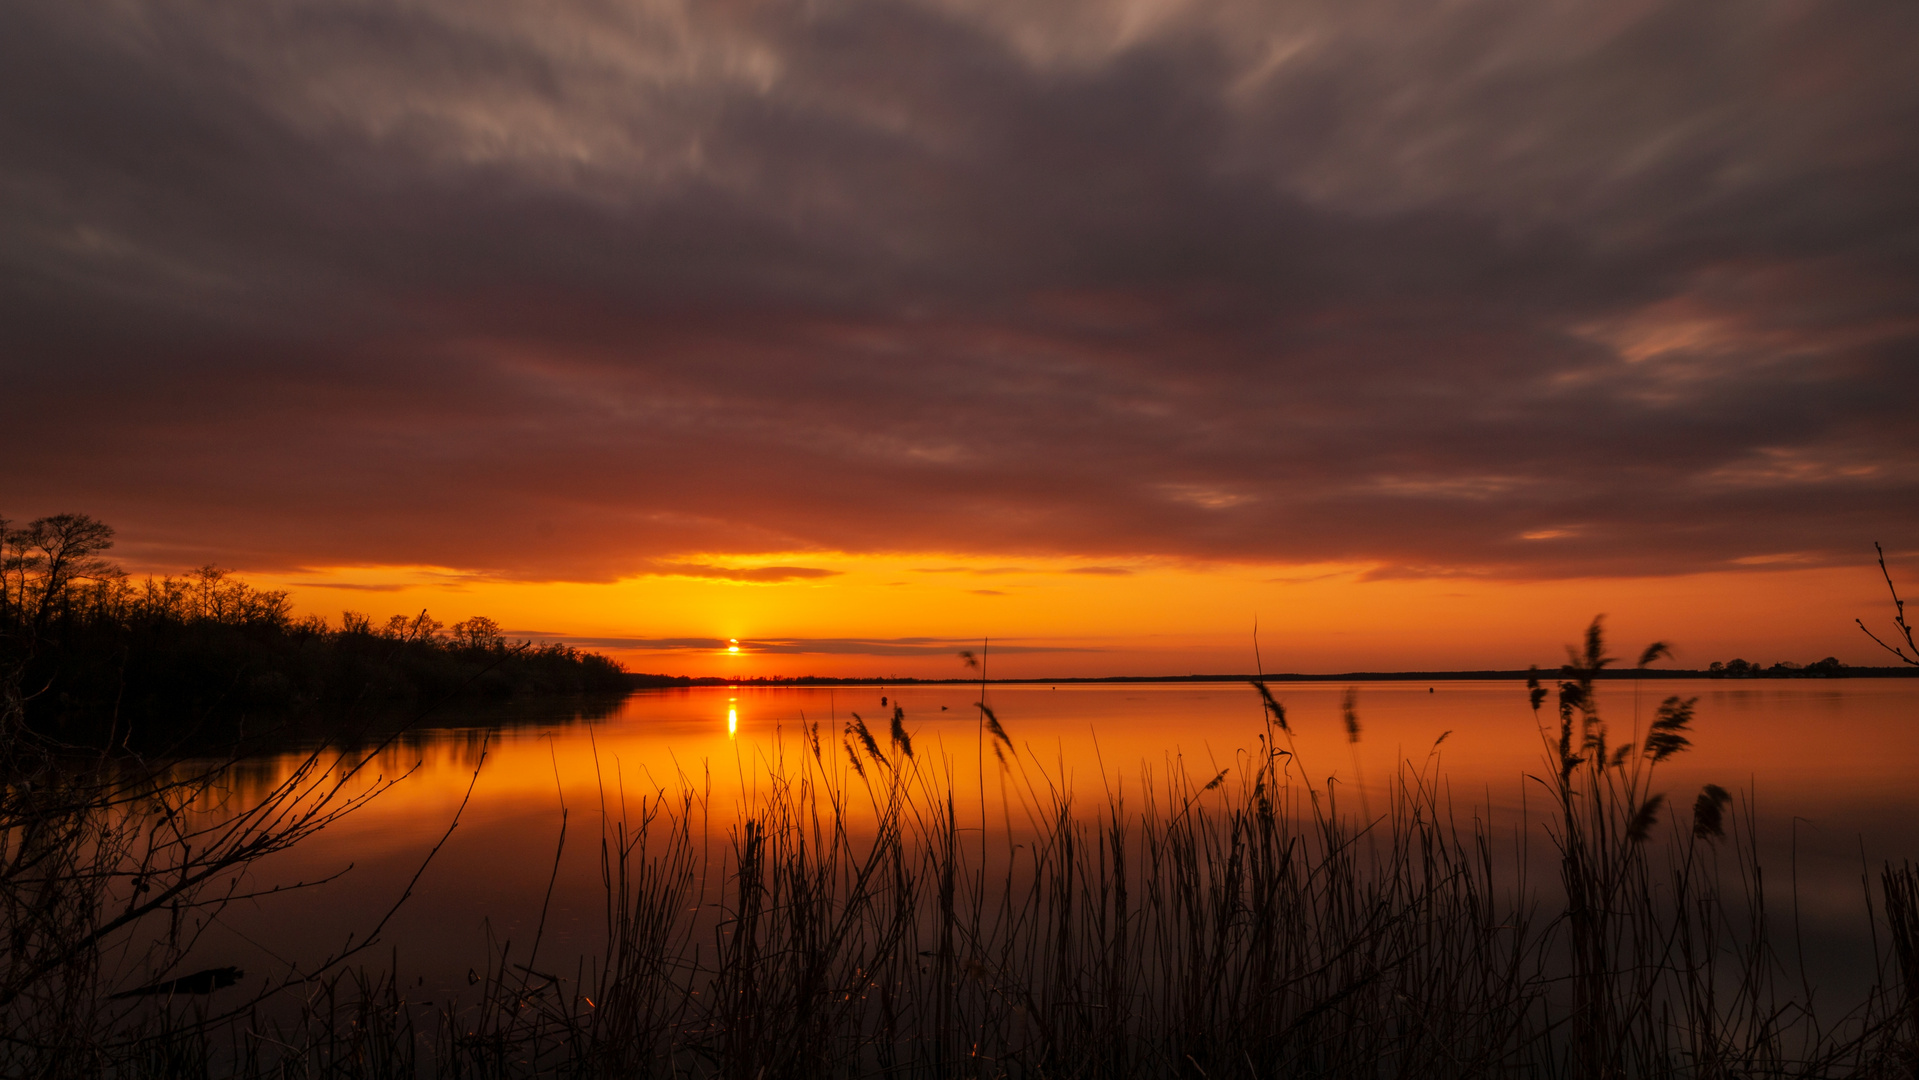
907	646
1494	288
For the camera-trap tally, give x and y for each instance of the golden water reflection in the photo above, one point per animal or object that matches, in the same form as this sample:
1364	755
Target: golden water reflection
1827	763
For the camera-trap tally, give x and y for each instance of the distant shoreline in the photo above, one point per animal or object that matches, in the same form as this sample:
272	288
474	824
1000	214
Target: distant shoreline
640	681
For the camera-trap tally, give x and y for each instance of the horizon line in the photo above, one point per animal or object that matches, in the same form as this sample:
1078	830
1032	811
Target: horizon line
646	680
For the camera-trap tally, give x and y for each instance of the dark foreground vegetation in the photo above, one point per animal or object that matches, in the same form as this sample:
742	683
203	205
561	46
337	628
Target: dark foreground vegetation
855	923
91	646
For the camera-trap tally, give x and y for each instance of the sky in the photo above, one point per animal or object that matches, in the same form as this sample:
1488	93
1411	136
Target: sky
1415	333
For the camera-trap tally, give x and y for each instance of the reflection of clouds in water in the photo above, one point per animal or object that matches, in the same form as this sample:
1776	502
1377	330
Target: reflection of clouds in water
1077	733
1852	783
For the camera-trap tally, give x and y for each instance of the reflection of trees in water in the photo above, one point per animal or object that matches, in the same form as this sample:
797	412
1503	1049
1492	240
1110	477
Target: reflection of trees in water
852	921
112	868
391	745
1235	922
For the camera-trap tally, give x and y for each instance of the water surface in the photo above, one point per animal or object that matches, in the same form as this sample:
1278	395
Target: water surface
1826	765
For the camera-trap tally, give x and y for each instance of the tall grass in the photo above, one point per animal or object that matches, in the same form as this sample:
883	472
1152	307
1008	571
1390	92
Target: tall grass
1244	923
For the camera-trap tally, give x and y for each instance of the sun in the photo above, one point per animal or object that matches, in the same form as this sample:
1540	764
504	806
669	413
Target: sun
734	645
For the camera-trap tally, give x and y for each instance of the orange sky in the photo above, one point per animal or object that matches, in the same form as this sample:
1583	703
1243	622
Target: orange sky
1419	332
909	615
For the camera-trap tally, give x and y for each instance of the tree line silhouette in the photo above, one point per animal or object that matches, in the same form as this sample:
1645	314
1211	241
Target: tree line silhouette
1736	668
81	640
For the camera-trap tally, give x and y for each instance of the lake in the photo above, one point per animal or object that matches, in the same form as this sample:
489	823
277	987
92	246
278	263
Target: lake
1827	766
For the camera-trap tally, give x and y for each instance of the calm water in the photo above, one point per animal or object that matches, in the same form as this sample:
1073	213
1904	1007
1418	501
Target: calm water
1829	766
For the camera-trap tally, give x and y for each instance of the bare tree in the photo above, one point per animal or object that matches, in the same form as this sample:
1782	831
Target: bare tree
41	564
1898	620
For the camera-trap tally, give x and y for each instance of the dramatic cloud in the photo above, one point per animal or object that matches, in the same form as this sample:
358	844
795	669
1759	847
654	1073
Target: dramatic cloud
575	290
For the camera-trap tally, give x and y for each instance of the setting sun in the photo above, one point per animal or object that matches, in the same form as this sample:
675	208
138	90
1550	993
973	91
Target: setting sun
1159	450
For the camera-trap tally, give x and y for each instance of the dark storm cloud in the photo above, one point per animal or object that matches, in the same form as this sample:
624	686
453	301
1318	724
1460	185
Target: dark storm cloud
580	290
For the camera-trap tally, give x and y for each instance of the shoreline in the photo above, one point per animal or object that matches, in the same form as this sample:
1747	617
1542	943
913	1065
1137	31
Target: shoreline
642	681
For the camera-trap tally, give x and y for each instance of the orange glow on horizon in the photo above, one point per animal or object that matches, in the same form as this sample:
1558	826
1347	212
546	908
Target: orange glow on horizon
909	614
